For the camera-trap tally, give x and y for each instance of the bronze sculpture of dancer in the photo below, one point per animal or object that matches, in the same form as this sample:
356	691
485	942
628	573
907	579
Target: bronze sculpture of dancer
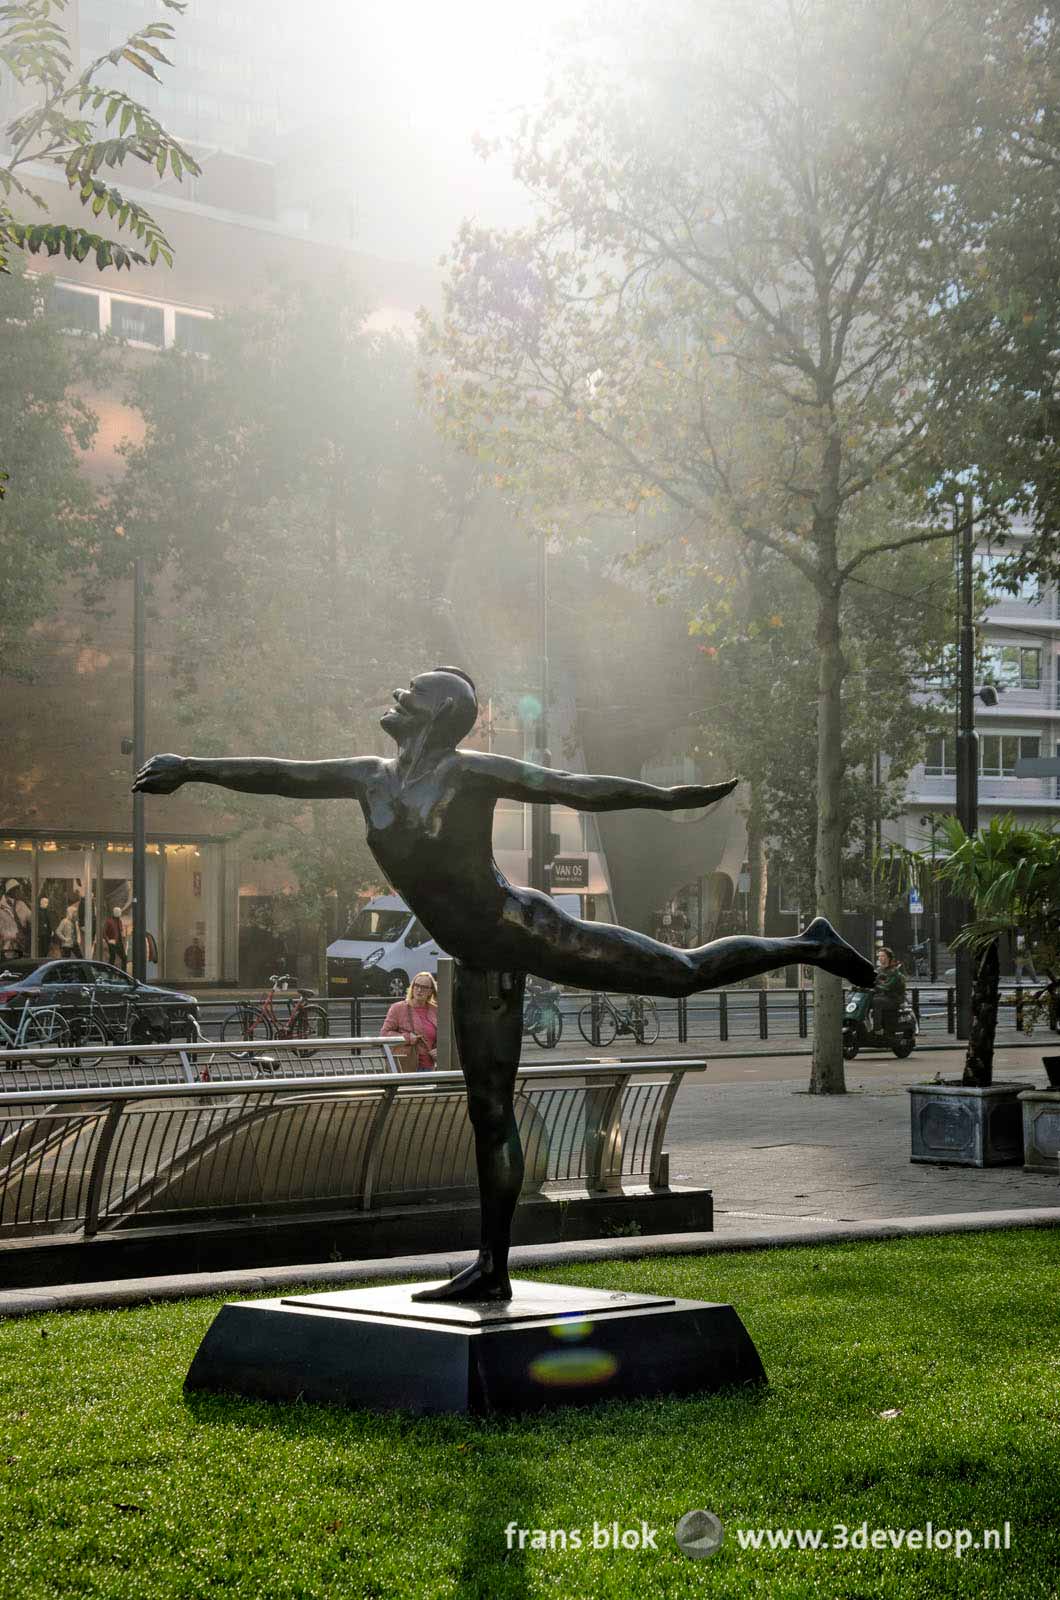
430	827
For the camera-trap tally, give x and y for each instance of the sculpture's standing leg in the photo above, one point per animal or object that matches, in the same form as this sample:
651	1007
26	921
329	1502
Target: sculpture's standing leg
488	1012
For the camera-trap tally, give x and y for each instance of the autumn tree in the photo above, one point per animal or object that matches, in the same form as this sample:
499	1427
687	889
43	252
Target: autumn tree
996	331
46	526
720	309
757	685
302	518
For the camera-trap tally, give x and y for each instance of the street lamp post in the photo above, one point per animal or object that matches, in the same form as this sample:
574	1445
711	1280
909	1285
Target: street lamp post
541	815
967	763
931	821
139	862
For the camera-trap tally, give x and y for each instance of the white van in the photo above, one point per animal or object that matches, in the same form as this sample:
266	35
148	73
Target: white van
382	947
385	944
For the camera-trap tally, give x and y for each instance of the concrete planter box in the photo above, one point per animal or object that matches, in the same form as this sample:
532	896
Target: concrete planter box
955	1126
1041	1129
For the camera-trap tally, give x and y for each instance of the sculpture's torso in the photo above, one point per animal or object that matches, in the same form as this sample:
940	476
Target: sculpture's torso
433	837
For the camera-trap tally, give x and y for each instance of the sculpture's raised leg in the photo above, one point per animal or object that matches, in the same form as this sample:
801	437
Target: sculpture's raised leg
488	1013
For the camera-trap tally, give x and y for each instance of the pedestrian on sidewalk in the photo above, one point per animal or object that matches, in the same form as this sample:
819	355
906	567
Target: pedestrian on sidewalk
416	1019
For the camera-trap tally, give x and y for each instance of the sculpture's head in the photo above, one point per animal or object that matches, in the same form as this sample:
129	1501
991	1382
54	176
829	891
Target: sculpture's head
440	707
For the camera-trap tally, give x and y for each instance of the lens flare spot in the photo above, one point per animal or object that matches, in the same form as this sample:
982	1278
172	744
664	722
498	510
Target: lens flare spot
570	1329
529	708
573	1369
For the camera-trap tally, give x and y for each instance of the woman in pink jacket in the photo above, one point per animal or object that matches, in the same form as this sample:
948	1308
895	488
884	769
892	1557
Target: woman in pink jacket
416	1019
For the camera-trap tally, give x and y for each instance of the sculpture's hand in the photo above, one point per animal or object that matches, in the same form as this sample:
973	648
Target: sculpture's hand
161	775
690	796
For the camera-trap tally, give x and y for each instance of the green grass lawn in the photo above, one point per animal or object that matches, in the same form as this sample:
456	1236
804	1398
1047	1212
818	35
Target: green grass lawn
115	1484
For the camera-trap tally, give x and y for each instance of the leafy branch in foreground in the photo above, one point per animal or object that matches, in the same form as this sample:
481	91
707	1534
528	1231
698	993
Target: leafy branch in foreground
61	129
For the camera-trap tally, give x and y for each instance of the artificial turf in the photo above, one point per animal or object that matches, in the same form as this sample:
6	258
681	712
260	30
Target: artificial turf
910	1381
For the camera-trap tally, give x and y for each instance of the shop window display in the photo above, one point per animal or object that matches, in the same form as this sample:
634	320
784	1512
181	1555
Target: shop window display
191	909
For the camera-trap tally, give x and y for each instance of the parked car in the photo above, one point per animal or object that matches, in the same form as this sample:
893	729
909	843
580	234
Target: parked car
155	1014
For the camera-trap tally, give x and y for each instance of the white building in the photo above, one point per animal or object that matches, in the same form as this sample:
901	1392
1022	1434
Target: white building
1019	642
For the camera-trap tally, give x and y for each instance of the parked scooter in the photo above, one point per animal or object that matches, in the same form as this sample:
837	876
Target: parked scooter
860	1033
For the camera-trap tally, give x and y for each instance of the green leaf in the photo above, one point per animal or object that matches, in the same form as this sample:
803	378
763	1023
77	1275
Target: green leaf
140	62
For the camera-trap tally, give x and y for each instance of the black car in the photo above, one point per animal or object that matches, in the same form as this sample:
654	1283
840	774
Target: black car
76	987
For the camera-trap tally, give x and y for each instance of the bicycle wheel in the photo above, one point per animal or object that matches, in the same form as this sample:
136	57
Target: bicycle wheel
646	1022
311	1022
608	1023
90	1035
46	1027
547	1027
246	1023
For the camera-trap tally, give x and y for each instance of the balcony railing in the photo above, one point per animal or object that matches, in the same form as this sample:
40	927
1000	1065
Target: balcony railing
1010	790
1046	697
1010	608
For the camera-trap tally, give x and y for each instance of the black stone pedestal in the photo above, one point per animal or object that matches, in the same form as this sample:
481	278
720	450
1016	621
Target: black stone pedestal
550	1345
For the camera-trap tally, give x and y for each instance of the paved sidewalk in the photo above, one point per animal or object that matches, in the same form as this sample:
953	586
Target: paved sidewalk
773	1153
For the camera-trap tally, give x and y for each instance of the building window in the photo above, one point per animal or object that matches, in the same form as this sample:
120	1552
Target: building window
999	752
1014	666
991	566
131	319
939	760
76	310
192	333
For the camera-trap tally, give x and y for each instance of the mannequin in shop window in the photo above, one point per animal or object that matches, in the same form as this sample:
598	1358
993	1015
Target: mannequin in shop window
47	944
68	932
114	938
15	920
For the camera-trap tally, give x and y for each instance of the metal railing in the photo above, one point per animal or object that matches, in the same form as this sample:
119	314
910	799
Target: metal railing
91	1066
724	1021
85	1162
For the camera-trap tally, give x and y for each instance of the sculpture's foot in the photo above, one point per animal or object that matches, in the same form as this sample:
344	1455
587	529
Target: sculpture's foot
832	954
479	1281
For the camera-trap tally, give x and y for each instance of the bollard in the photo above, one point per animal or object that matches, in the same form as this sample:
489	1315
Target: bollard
951	1012
682	1021
723	1016
763	1015
595	1028
803	1015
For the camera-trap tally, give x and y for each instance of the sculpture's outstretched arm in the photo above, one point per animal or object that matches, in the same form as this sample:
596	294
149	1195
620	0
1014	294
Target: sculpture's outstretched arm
308	780
522	780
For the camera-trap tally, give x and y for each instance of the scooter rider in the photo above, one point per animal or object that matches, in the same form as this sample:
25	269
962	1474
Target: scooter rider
888	993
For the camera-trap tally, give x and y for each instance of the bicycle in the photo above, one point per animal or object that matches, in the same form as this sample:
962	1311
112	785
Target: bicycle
638	1018
37	1025
261	1020
541	1014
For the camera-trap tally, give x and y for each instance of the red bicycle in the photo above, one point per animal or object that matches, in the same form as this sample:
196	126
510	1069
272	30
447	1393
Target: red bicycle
279	1014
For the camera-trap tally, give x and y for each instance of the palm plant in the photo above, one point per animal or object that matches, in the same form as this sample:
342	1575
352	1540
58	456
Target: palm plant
1010	874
